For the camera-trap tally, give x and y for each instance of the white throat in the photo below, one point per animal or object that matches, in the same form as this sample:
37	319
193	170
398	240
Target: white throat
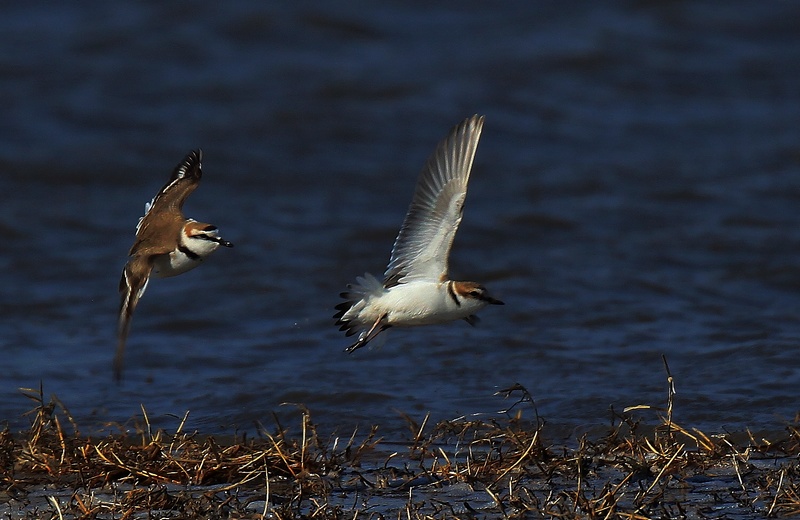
189	253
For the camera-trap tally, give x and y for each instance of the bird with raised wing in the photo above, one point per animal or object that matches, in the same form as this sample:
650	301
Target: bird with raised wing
416	289
167	244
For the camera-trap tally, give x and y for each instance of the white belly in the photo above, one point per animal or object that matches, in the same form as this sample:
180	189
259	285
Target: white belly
412	304
174	264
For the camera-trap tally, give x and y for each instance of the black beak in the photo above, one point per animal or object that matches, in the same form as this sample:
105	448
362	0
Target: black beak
491	300
218	240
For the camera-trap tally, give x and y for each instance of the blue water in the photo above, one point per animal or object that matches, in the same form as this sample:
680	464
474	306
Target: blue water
636	193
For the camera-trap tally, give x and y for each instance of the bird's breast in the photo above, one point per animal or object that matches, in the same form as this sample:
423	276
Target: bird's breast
177	262
417	304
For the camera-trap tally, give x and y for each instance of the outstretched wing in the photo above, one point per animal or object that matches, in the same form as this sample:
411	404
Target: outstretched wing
184	180
422	247
131	287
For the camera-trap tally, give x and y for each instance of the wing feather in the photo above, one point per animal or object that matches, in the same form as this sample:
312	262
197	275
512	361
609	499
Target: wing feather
422	247
132	285
184	180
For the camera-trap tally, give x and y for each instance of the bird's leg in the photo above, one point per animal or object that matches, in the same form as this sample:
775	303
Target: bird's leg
369	335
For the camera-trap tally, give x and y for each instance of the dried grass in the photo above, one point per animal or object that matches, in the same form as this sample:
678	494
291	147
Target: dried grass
500	467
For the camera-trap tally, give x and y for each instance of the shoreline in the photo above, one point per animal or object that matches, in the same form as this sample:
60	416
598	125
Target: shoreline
497	468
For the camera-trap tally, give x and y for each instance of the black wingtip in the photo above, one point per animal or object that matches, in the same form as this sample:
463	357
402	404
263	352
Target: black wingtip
191	165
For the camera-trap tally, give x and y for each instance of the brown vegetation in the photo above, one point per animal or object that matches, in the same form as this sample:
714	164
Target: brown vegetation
497	468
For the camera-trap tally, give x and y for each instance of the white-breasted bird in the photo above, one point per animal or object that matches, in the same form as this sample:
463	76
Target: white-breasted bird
167	244
416	289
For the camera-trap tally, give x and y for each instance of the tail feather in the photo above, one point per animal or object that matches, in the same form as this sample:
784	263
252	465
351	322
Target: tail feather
354	296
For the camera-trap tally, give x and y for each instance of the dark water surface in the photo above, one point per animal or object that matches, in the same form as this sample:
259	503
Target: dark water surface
635	194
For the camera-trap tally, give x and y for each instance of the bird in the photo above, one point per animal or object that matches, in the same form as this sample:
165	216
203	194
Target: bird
416	288
167	244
